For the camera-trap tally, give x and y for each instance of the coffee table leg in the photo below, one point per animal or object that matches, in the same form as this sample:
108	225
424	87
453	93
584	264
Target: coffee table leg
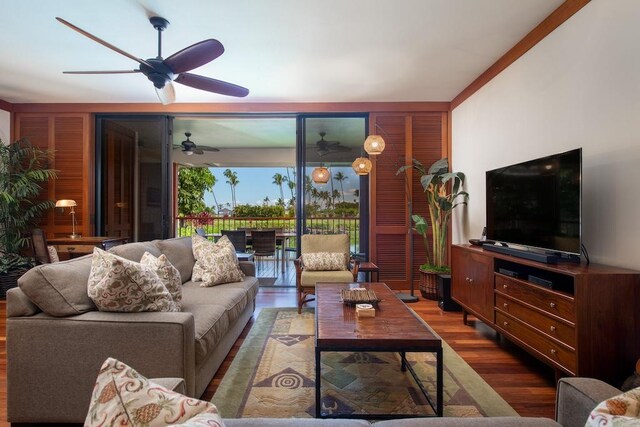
403	358
439	383
318	378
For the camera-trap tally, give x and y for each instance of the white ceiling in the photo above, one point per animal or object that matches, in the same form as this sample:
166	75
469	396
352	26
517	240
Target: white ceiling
282	50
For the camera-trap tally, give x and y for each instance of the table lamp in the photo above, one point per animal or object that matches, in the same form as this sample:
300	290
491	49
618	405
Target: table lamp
67	203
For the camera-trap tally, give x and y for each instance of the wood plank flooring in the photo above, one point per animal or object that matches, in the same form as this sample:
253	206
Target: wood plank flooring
525	383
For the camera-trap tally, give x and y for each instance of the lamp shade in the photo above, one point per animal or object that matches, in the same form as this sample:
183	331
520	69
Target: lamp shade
320	175
362	166
374	145
65	203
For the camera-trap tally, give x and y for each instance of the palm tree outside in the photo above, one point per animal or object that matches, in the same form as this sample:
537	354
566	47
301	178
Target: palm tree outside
279	179
340	177
233	181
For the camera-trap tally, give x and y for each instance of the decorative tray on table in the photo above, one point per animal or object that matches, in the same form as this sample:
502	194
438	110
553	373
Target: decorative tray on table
358	296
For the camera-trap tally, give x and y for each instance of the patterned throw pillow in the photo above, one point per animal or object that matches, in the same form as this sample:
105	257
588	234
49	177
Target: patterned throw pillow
621	410
324	261
169	275
216	263
119	284
123	397
53	254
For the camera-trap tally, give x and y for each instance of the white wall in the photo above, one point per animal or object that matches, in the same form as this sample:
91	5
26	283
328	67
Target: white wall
5	128
579	87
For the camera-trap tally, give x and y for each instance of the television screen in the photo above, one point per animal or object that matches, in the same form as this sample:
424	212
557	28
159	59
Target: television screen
537	203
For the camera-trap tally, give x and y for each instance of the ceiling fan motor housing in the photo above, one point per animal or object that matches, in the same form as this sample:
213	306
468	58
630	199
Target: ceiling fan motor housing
159	74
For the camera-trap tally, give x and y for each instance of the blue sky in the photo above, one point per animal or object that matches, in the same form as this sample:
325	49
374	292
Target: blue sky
257	183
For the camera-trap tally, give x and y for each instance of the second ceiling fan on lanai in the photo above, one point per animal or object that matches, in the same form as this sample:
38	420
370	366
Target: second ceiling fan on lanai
162	72
189	147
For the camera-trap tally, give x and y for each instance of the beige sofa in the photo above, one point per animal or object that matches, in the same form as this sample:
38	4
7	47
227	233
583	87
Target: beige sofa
57	340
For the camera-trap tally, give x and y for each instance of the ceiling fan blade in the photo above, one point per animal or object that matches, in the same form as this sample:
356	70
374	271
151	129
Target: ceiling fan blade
103	43
198	151
212	149
167	94
194	56
102	72
211	85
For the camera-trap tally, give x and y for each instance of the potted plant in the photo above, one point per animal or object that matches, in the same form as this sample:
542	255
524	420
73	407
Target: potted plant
23	170
443	190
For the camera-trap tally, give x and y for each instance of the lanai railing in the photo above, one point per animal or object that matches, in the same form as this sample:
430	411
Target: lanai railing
186	225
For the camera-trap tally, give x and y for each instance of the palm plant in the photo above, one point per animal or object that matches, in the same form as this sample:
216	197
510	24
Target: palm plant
443	190
279	179
233	181
23	172
340	177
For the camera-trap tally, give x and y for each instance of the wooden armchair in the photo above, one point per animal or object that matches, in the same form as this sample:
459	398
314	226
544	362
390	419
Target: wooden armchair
306	280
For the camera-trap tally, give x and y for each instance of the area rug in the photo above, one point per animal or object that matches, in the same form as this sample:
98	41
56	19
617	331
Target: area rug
273	376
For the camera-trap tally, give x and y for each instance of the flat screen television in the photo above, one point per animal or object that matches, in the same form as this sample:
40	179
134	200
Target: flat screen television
537	203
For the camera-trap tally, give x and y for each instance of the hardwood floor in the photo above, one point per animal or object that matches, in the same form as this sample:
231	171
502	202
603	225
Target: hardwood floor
525	383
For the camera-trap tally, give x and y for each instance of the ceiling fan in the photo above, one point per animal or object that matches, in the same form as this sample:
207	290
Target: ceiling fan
324	147
189	147
162	72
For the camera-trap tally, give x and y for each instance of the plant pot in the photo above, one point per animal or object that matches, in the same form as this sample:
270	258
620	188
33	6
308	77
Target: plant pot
10	280
429	284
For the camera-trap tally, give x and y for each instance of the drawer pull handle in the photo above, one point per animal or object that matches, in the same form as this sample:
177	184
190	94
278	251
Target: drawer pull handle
552	305
505	286
553	351
553	328
505	305
467	279
470	280
71	248
505	323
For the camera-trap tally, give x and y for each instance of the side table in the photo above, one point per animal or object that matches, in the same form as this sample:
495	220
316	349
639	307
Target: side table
369	267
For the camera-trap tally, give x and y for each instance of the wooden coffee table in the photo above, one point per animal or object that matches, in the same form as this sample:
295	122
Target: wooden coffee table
394	329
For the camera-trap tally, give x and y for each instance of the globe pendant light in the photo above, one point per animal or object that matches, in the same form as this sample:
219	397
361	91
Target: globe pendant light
374	145
320	175
362	166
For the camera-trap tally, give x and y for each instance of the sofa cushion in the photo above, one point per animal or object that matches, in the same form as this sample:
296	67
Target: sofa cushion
216	263
121	285
59	289
134	251
211	323
295	422
310	278
169	275
179	252
121	396
470	422
233	297
324	261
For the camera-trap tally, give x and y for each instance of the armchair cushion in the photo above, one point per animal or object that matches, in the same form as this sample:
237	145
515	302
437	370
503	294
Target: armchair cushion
310	278
324	261
123	396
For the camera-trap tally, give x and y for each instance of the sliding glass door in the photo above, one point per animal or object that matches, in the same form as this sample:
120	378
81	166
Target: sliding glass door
333	199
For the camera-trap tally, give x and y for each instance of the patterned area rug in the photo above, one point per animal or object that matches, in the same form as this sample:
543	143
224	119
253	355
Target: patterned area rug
273	376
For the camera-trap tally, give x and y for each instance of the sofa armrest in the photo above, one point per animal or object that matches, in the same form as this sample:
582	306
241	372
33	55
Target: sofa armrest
52	363
248	268
576	398
174	384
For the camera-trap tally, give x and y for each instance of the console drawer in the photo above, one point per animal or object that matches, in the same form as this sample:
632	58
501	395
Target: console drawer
549	350
546	300
545	324
78	249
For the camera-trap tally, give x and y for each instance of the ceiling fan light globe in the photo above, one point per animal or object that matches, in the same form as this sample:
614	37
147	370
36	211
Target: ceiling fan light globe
374	145
188	152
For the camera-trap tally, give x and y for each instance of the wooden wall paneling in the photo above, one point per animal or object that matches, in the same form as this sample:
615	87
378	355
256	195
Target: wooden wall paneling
68	136
408	135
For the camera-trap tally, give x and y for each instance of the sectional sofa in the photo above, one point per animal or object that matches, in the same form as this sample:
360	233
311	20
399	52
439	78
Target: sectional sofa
57	339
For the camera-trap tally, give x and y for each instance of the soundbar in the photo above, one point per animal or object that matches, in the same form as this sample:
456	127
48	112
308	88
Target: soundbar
533	256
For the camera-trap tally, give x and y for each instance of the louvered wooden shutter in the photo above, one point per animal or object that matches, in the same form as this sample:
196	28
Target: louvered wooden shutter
68	136
421	136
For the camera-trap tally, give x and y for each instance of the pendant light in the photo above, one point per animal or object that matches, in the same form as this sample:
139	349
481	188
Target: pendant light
362	166
320	175
374	145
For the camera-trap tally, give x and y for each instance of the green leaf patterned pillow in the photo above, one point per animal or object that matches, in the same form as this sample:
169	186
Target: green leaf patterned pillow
324	261
216	263
122	285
